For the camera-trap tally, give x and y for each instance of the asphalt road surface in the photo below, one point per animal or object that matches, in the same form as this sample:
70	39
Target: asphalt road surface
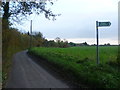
26	73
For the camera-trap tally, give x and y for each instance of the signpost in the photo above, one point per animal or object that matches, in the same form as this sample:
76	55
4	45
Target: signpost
100	24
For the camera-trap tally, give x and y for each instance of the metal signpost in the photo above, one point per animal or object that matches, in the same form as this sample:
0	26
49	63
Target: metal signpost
100	24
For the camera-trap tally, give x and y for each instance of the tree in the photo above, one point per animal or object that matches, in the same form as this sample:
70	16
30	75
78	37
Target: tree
57	39
51	43
38	35
85	43
12	40
108	44
65	43
19	10
72	44
39	38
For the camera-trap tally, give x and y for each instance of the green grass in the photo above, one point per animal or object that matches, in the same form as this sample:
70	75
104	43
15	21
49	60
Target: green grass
80	62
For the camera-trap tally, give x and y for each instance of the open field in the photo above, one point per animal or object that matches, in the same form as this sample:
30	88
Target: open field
80	64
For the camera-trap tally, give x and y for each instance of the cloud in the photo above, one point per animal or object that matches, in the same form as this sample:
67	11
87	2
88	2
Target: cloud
78	20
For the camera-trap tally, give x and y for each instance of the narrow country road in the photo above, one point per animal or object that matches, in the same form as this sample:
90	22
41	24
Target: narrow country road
26	73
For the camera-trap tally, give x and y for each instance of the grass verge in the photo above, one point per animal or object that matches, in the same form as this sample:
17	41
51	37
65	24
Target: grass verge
79	64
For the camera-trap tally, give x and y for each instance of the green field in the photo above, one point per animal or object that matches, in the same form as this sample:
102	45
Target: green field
80	62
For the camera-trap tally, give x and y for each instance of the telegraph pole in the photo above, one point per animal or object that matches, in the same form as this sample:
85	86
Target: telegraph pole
30	33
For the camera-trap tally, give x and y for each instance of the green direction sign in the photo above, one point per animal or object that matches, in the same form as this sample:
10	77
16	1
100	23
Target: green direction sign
102	24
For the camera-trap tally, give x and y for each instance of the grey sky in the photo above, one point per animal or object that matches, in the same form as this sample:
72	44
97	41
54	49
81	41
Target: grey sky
77	22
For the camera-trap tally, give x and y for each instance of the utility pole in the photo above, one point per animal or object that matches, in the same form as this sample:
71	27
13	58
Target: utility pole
30	33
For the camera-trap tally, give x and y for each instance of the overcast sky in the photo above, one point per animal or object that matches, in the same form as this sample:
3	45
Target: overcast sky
77	21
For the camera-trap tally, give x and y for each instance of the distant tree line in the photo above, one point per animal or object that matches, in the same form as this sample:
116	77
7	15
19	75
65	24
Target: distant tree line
56	43
71	44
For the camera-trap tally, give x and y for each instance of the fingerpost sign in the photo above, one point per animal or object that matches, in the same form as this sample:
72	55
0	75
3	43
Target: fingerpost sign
103	24
100	24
